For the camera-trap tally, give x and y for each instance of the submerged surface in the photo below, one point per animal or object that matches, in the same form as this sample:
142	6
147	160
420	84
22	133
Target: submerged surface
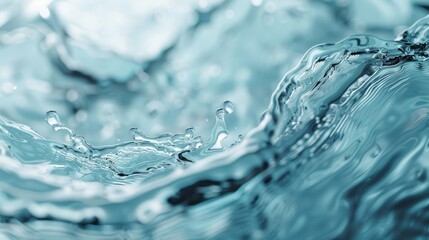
340	152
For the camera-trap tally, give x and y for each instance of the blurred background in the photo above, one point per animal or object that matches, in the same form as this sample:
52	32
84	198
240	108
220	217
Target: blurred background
162	66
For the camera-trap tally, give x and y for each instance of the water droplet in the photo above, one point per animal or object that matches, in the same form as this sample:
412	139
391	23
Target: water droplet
137	135
198	142
189	132
220	113
79	144
228	106
52	119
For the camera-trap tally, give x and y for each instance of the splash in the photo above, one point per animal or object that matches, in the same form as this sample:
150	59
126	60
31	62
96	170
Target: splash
340	153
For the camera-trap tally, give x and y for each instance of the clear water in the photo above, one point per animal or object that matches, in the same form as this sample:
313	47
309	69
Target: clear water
340	150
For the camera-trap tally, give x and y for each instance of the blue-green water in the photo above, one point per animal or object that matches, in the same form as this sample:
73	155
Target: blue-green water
340	151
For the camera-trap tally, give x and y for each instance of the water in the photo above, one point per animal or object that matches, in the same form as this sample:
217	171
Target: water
340	151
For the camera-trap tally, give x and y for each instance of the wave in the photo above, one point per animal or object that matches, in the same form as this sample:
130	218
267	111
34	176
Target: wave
339	153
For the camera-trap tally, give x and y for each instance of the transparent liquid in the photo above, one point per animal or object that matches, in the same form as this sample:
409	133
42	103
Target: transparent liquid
339	153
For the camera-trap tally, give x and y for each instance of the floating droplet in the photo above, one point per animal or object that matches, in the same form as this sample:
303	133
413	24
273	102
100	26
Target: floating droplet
220	113
228	106
52	119
79	143
189	132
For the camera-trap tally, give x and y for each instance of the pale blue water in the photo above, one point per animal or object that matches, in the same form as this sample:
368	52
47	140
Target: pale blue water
338	150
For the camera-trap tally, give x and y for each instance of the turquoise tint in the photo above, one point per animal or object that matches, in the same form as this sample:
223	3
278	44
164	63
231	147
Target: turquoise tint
162	120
